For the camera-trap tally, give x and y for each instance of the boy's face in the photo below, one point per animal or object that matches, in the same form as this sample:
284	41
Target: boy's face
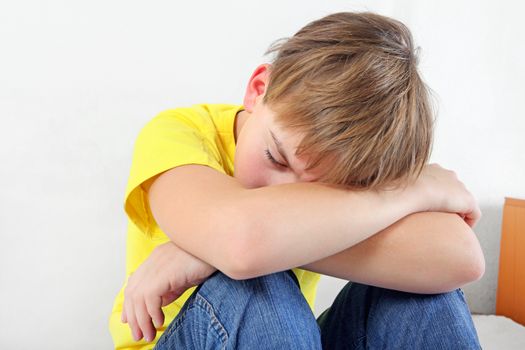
258	138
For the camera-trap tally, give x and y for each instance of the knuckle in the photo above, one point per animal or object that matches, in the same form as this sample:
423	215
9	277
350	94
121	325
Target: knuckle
149	297
130	283
130	292
133	297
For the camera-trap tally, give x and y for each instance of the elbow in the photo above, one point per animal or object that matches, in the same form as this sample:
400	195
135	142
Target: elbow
465	264
476	269
240	264
473	267
248	251
245	260
239	270
239	251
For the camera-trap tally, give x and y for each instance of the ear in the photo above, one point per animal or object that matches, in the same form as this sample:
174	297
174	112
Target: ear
256	86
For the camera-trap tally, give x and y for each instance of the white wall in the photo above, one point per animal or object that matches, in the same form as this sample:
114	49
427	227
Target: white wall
79	79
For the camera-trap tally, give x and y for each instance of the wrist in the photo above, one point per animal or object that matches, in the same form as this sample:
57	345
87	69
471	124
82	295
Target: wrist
412	197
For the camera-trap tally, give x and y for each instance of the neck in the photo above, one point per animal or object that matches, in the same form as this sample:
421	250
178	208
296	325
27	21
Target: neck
240	119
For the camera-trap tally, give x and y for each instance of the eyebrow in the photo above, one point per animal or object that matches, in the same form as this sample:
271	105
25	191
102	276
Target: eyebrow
280	148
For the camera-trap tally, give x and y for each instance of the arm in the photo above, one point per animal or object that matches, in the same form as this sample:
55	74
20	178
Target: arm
422	253
157	282
251	232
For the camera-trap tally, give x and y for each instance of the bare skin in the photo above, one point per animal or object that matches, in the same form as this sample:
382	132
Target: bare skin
367	258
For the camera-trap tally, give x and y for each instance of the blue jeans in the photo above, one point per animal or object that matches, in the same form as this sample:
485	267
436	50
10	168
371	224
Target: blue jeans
269	312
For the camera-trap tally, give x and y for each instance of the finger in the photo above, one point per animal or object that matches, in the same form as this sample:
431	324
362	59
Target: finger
475	213
467	220
127	291
132	321
123	317
470	220
478	216
144	320
153	305
473	217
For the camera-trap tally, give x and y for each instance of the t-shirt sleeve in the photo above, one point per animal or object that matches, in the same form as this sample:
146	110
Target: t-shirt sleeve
169	140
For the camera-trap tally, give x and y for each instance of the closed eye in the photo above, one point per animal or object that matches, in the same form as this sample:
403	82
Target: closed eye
272	159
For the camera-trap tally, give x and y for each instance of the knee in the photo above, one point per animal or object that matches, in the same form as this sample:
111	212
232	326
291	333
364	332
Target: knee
394	304
271	304
220	286
443	314
450	304
382	316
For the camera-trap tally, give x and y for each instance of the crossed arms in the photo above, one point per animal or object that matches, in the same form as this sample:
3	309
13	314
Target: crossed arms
322	228
410	240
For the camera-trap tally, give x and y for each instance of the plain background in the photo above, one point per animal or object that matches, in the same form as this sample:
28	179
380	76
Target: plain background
78	80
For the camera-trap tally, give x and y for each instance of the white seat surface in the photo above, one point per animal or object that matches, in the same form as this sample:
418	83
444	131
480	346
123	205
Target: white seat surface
499	332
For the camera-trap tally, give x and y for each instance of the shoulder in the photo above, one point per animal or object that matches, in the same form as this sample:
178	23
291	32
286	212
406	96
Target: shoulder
200	113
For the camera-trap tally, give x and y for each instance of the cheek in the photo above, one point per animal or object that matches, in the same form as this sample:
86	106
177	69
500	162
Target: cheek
250	169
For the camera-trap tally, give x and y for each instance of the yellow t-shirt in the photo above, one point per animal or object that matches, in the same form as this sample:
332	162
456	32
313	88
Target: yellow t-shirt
200	134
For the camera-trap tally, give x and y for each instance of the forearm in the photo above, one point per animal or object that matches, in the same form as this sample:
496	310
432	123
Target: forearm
422	253
251	232
294	224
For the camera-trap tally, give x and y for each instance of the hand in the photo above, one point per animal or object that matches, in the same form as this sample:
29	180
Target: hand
445	192
167	273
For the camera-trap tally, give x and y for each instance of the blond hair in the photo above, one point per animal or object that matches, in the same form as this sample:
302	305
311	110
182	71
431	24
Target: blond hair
349	83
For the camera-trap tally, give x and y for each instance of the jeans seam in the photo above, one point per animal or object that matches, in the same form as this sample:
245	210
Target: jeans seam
215	322
174	325
202	303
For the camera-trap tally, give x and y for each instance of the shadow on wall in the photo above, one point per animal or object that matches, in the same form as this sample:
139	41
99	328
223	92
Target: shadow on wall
481	295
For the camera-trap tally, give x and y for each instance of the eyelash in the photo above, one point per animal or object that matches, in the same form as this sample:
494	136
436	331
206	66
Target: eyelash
272	159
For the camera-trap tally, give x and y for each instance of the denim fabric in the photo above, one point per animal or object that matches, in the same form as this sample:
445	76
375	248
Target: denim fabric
367	317
269	312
